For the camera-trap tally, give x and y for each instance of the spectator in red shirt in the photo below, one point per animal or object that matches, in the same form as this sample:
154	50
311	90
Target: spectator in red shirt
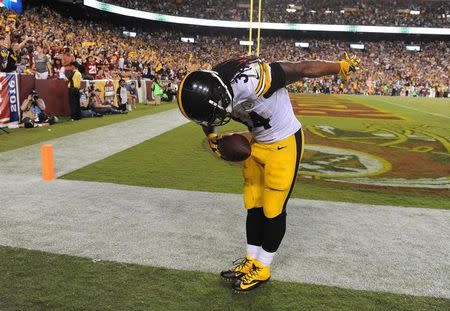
67	59
91	67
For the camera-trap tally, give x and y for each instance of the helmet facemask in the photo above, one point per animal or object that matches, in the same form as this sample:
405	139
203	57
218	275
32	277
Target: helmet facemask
221	115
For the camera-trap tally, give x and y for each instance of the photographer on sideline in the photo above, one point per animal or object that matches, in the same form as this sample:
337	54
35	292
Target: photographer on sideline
33	110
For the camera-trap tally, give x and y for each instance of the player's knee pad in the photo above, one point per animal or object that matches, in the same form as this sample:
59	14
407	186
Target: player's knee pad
278	177
274	201
252	195
250	170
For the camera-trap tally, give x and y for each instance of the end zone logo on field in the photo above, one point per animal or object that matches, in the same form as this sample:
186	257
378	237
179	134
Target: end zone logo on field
332	106
331	162
378	156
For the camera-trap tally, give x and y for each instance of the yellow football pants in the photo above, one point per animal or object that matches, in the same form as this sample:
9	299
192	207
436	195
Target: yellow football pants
270	173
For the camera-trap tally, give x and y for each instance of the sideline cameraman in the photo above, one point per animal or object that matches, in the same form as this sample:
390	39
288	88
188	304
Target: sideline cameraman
33	109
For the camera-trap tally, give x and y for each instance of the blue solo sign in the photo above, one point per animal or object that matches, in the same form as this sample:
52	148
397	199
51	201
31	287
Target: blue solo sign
15	5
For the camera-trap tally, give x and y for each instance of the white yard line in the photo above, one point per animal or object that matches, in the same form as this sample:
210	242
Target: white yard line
414	109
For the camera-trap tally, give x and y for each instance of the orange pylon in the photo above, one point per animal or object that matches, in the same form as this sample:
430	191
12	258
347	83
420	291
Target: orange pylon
48	165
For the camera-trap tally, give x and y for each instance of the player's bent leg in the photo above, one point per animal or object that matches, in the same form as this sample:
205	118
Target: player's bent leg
280	175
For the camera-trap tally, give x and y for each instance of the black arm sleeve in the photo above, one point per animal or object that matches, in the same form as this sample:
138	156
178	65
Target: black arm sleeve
208	129
278	79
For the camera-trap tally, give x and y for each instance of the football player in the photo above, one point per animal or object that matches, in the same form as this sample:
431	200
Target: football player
253	92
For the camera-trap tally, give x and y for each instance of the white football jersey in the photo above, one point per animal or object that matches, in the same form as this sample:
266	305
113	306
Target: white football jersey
268	119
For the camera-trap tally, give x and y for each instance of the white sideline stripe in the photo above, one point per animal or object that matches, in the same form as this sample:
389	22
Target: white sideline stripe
78	150
415	109
377	248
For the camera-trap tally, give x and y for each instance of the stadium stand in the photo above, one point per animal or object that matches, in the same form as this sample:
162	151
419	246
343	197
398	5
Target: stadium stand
420	13
104	52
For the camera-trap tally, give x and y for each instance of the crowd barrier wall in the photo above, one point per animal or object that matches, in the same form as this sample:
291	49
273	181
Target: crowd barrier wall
15	88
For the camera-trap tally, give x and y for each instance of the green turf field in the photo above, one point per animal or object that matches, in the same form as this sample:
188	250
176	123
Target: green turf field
410	135
180	158
25	137
31	280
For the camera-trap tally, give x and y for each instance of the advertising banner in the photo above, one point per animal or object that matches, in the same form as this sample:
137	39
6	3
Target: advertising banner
9	98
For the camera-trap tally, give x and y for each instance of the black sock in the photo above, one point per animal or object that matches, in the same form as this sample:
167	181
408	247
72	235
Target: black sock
273	232
254	226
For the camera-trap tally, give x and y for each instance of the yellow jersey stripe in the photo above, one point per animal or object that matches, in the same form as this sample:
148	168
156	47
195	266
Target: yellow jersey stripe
261	79
268	79
303	144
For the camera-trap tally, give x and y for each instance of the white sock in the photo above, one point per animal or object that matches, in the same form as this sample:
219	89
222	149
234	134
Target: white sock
265	257
252	251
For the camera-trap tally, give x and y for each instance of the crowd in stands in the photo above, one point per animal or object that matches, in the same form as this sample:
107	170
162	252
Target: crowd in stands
420	13
46	44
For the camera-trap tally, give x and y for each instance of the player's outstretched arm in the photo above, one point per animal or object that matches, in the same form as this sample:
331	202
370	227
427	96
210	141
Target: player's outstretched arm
295	71
308	69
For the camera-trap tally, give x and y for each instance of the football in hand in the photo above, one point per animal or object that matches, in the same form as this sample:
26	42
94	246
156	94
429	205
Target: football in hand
234	147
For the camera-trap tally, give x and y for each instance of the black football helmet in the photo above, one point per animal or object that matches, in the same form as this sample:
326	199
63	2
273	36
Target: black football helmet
205	99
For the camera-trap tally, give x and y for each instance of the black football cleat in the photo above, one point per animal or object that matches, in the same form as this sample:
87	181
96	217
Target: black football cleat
241	267
258	275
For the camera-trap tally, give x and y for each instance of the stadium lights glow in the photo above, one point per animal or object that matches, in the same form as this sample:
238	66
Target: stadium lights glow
328	11
129	34
290	10
301	45
244	42
414	12
187	40
312	11
272	26
413	47
342	11
357	46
